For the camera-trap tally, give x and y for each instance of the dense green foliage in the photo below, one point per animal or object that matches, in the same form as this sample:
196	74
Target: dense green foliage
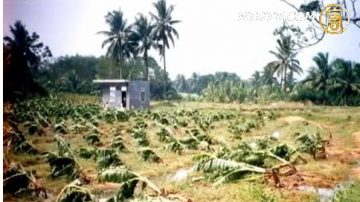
24	55
328	82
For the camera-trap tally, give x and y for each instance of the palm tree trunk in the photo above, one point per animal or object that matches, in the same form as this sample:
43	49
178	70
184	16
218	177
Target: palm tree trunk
110	70
165	77
285	81
120	65
324	95
146	65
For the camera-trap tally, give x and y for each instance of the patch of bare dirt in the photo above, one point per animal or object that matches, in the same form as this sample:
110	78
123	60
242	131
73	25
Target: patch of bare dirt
318	180
355	172
292	119
336	150
107	186
357	138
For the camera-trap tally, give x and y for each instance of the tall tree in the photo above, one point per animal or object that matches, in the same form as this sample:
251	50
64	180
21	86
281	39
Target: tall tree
164	30
121	40
346	81
320	75
256	82
286	60
194	82
267	77
180	83
23	56
144	31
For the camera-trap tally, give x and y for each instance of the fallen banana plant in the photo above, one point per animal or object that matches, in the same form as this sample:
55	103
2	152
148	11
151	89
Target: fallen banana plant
65	163
117	143
129	181
19	144
106	158
17	181
147	154
87	153
140	137
311	143
174	145
92	139
75	192
33	128
248	157
220	170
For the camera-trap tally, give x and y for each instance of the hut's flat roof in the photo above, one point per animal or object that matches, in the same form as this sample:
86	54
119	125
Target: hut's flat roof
111	81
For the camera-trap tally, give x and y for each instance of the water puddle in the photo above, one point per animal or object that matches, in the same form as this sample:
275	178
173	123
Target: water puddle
328	194
181	174
276	134
325	194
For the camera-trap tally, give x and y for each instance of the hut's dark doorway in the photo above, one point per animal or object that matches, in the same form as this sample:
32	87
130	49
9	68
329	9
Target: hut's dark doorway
123	99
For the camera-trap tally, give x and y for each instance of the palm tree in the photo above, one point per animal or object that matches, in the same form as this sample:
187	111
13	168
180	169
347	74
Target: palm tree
164	30
320	75
180	83
256	82
72	83
194	82
23	57
267	77
346	80
121	40
144	32
285	60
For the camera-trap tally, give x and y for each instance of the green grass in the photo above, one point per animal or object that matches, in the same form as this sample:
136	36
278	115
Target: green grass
350	194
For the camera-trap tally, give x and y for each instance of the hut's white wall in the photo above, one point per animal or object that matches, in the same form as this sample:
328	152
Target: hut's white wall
106	95
133	94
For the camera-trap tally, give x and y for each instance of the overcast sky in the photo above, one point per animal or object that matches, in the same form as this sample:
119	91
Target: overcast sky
212	38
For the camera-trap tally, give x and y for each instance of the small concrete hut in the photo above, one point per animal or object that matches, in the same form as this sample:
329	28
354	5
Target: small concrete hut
125	94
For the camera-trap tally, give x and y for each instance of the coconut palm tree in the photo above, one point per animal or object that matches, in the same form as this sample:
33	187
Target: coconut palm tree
121	40
144	32
285	60
267	77
72	83
256	82
194	82
23	56
346	81
164	30
319	76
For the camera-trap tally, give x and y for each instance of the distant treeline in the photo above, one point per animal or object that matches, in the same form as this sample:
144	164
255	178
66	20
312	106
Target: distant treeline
327	82
30	69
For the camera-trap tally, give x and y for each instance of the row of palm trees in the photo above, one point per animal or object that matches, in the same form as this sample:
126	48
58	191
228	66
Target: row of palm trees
124	40
338	77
